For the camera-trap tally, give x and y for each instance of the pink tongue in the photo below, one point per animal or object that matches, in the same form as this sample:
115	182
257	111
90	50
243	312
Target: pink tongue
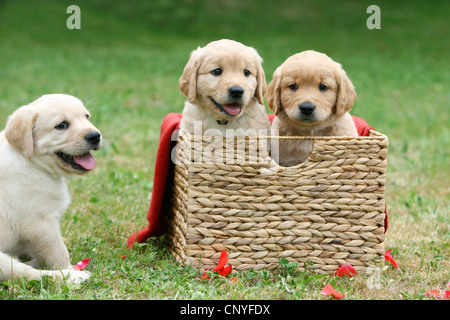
232	109
86	160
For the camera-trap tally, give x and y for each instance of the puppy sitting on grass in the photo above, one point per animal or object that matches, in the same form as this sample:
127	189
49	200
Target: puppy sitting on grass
311	95
43	142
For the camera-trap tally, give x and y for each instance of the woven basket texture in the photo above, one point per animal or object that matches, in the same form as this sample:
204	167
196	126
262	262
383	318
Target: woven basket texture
228	194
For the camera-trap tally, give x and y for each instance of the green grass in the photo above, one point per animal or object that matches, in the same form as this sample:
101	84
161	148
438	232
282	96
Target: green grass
125	63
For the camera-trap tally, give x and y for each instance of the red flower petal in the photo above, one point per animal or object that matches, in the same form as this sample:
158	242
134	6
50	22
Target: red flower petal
329	291
225	271
447	294
222	261
388	257
345	270
205	275
237	280
82	264
433	293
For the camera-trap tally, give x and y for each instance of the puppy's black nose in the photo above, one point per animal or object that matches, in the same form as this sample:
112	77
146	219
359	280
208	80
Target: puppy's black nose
236	92
93	137
307	108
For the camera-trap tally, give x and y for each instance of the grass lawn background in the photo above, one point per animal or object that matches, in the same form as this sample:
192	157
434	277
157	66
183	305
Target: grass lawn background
124	64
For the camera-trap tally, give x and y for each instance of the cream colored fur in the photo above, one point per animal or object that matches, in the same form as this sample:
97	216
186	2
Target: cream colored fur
33	192
240	66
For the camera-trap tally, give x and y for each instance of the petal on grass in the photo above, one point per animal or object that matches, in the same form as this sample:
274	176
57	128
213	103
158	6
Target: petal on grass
388	257
205	275
222	261
345	270
221	268
82	264
224	272
328	290
433	293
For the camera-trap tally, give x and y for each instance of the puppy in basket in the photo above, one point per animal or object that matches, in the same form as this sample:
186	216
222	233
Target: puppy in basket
311	95
224	83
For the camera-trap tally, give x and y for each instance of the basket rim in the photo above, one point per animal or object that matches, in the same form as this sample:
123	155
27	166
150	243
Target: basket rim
269	164
373	134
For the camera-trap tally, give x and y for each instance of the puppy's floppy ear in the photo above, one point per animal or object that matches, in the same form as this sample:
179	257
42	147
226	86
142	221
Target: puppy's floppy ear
346	94
261	81
19	131
188	80
273	92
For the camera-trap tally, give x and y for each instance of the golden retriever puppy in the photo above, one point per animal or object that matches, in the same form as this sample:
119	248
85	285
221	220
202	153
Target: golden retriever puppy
225	84
311	95
43	142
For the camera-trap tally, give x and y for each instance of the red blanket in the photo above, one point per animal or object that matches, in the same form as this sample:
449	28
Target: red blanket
155	215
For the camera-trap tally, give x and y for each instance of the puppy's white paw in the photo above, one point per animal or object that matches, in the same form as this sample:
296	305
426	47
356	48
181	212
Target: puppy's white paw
75	276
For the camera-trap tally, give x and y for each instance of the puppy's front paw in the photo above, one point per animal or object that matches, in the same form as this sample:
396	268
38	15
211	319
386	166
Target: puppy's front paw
76	276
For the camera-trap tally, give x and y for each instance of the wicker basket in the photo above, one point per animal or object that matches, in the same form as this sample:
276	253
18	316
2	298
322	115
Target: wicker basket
328	210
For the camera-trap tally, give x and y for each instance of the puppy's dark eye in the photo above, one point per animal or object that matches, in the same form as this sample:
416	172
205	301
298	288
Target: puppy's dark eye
217	72
293	86
88	116
246	72
323	87
63	125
